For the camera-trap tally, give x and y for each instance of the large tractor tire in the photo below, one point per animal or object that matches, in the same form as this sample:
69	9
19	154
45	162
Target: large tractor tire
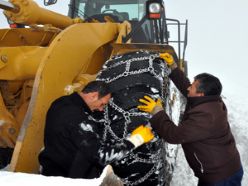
131	76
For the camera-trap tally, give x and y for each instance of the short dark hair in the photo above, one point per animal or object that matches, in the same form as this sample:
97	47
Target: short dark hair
97	86
208	84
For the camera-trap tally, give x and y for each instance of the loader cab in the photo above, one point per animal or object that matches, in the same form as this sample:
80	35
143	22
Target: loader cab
161	30
133	11
122	9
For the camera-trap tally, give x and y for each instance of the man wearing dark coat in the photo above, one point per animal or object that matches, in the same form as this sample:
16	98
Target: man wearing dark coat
73	132
204	130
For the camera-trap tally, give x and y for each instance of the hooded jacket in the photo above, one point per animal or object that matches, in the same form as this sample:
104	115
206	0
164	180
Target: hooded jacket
204	133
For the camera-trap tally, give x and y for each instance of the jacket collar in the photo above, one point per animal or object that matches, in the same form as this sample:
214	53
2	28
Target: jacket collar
194	101
78	100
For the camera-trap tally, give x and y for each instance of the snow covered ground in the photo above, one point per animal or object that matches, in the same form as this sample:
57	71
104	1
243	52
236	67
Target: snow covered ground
183	175
19	179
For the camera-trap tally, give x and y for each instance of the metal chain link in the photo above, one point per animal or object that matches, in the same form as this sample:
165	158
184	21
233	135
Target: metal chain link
126	116
127	68
124	62
107	127
154	161
147	175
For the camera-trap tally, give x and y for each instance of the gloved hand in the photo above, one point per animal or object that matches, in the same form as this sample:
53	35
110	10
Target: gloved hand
151	106
168	58
141	135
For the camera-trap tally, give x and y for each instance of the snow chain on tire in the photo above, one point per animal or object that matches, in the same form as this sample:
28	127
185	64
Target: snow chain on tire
130	77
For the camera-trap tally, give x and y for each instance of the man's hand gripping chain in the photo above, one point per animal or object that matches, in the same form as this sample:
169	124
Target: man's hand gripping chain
141	135
149	105
167	58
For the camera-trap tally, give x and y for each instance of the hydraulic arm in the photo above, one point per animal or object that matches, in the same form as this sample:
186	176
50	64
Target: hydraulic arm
28	12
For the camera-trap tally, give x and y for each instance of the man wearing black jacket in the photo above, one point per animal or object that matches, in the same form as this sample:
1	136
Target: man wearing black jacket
72	145
204	131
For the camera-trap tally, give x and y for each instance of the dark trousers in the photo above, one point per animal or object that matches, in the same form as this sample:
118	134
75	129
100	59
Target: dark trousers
234	180
5	156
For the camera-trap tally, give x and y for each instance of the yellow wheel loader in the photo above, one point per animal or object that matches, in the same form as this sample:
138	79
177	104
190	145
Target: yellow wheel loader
55	55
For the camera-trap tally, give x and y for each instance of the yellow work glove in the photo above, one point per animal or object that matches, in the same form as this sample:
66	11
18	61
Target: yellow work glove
149	105
141	135
168	58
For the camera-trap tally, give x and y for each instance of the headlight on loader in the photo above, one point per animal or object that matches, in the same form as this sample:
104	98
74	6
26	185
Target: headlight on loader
153	9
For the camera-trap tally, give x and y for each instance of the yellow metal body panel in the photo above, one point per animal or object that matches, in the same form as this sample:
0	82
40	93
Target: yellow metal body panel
20	63
124	48
25	37
21	51
70	53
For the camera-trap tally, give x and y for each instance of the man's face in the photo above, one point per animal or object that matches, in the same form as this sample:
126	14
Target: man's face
99	104
192	90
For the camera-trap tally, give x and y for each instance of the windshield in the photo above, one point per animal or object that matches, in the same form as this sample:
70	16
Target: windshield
128	9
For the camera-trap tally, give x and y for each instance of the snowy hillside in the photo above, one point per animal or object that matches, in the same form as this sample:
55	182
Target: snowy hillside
238	110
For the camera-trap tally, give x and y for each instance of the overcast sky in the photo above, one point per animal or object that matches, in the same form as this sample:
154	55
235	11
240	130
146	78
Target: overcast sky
217	38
